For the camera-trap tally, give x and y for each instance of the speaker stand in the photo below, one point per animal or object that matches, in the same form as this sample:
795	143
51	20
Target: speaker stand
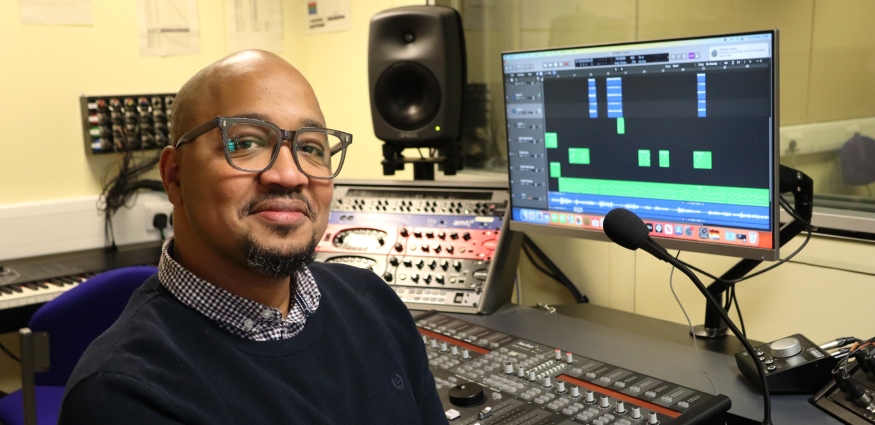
423	168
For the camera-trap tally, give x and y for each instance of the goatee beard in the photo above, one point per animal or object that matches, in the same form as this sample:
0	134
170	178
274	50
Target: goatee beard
278	262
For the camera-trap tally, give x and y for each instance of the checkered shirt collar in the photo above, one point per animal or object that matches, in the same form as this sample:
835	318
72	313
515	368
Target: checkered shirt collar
240	316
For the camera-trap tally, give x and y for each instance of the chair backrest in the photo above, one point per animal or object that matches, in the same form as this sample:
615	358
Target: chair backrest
75	318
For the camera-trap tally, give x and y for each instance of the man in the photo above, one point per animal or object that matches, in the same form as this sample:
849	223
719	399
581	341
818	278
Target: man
238	327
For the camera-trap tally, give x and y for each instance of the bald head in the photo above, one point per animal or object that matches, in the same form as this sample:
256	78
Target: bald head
197	100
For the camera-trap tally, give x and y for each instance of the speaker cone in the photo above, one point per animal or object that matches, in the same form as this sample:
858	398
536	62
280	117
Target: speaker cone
407	96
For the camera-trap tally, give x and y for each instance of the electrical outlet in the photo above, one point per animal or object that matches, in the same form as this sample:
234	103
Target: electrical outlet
151	209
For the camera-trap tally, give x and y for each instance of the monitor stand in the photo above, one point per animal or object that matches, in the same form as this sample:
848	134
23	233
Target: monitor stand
802	187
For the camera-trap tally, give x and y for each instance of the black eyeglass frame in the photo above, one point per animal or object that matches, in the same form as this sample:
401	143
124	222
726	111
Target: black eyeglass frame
225	123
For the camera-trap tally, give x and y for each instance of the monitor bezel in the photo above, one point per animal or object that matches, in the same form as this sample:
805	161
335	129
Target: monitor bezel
755	253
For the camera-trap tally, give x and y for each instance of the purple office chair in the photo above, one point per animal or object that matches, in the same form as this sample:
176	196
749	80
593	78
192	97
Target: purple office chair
72	321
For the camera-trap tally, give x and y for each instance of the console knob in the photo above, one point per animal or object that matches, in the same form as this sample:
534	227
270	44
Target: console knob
445	264
520	372
569	358
508	368
454	351
414	277
439	279
437	249
433	343
387	277
417	234
457	265
393	260
420	264
590	397
444	347
442	235
432	265
532	377
620	408
786	347
468	394
466	236
454	235
429	234
652	419
636	413
399	247
465	354
575	392
425	248
560	388
450	249
547	383
404	232
604	402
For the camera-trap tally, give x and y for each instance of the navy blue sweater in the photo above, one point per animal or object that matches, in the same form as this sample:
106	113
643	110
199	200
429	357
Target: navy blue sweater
359	360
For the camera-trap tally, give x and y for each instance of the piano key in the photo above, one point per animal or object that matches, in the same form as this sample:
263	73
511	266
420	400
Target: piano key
32	295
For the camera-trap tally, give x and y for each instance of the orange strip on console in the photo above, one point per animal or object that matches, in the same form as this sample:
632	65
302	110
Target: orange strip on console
460	343
620	396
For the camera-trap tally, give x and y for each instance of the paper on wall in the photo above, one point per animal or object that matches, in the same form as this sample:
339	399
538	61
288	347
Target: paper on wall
168	27
327	15
254	24
56	12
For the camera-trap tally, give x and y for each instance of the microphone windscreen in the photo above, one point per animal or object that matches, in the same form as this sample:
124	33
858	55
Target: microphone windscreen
625	228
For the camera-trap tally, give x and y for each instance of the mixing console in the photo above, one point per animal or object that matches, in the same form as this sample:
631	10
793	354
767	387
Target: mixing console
434	243
491	378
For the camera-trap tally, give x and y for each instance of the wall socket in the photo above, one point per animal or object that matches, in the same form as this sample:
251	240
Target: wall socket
151	209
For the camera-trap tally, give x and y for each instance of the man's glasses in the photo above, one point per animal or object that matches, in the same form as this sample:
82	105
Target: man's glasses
253	145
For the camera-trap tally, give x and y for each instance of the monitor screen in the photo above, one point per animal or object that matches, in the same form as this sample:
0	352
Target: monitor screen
681	132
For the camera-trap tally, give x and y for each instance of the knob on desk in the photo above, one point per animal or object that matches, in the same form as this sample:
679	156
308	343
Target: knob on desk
785	347
636	413
468	394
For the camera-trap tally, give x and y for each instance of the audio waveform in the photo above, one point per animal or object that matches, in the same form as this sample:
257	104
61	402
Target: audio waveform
678	210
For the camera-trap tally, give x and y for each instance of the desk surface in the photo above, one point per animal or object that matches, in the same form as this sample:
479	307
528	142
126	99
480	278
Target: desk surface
598	333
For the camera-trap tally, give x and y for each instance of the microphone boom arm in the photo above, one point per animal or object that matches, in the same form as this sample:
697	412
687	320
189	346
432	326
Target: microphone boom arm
802	187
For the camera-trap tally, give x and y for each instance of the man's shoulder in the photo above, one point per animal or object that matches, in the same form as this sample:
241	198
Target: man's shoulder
144	331
348	277
357	286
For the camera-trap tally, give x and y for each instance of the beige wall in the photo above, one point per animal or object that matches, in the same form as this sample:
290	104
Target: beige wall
46	68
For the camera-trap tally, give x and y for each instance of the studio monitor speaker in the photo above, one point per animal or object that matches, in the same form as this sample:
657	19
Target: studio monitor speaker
416	71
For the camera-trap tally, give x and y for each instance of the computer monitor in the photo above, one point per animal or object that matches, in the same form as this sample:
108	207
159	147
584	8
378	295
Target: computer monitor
681	132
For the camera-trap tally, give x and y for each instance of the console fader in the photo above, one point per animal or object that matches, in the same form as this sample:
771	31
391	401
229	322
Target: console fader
433	242
491	378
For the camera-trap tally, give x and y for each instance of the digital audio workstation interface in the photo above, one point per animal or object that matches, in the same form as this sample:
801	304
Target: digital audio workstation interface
681	132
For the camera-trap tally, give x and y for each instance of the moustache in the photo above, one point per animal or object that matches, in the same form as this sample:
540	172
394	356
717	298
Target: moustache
295	196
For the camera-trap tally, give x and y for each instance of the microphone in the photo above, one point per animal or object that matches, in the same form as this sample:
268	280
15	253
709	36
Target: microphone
627	230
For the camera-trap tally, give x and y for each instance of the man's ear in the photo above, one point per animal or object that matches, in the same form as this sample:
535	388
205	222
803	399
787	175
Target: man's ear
169	166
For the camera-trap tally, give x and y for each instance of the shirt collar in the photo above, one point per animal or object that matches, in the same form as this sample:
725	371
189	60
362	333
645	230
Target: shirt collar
241	316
